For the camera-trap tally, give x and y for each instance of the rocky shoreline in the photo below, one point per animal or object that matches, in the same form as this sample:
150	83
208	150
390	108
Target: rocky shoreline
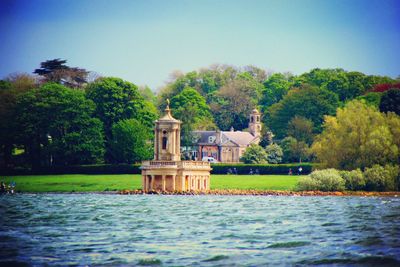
236	192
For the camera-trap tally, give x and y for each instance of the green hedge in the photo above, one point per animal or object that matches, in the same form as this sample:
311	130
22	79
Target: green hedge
221	168
79	169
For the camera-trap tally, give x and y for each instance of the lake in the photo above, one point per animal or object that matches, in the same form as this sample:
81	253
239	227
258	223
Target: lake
100	229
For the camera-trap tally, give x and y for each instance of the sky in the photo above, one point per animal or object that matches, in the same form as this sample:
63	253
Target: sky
144	41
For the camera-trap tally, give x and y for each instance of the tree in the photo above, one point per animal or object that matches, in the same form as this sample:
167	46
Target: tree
358	137
301	129
55	121
294	150
371	99
233	103
390	101
56	71
276	86
14	85
131	142
309	102
274	153
117	100
191	108
254	154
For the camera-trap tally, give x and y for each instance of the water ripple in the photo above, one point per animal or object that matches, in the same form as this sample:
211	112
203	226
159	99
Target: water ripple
91	229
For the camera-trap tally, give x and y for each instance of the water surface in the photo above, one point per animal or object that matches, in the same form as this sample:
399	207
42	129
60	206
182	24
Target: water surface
94	229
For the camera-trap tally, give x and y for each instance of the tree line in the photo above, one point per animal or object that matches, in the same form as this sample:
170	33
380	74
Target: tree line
67	115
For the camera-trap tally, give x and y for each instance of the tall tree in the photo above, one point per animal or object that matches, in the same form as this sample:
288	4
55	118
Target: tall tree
358	137
301	129
117	100
309	102
56	71
10	88
56	121
233	103
276	86
390	101
190	107
131	142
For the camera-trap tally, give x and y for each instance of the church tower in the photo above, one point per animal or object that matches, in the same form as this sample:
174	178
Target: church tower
167	132
255	123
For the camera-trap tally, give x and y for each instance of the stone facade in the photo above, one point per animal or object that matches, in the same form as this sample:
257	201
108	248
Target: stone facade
167	172
228	146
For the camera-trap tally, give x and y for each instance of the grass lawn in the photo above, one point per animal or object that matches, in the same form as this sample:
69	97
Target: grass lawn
115	182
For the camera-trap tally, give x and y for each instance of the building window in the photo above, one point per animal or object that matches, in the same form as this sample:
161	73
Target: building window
258	119
251	119
164	142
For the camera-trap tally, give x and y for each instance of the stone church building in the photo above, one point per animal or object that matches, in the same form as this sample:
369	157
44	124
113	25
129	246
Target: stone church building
228	146
167	172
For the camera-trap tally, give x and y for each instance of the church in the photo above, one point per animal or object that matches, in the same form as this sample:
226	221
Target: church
227	146
167	173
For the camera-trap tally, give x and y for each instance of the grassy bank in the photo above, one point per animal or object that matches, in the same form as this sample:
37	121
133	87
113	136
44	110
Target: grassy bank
116	182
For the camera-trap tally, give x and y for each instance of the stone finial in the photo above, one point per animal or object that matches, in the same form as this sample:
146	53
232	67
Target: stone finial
167	109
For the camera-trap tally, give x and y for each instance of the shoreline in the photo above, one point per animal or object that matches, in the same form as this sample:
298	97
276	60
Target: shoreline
230	192
236	192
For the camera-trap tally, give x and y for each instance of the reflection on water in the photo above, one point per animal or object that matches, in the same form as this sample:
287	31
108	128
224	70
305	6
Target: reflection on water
93	229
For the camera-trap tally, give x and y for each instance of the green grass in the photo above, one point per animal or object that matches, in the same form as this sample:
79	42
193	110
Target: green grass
115	182
258	182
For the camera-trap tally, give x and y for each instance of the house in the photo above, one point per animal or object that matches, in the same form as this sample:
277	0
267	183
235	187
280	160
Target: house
167	173
228	146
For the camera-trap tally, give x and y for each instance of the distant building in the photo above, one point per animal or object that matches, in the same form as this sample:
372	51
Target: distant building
227	146
167	172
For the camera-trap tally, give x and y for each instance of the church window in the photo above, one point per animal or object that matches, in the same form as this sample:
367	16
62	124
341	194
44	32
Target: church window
258	119
252	119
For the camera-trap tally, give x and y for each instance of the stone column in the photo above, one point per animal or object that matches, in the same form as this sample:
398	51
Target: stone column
152	182
146	184
163	182
173	182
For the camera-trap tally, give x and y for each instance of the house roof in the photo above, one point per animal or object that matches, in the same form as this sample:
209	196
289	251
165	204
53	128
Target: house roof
202	137
238	138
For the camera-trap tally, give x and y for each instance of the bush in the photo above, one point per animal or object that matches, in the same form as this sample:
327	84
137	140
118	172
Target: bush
323	180
274	153
354	180
378	178
307	184
222	168
254	154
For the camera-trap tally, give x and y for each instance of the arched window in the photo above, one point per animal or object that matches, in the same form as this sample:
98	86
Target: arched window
251	119
164	142
258	119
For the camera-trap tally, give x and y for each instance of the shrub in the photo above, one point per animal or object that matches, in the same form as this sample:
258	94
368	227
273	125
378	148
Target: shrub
274	153
254	154
323	180
378	178
307	184
354	180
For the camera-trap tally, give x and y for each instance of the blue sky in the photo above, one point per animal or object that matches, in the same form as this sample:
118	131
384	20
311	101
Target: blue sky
145	41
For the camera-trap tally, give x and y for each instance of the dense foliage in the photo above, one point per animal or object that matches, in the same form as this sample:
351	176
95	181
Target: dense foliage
116	100
322	180
57	121
376	178
358	137
49	124
131	142
255	154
